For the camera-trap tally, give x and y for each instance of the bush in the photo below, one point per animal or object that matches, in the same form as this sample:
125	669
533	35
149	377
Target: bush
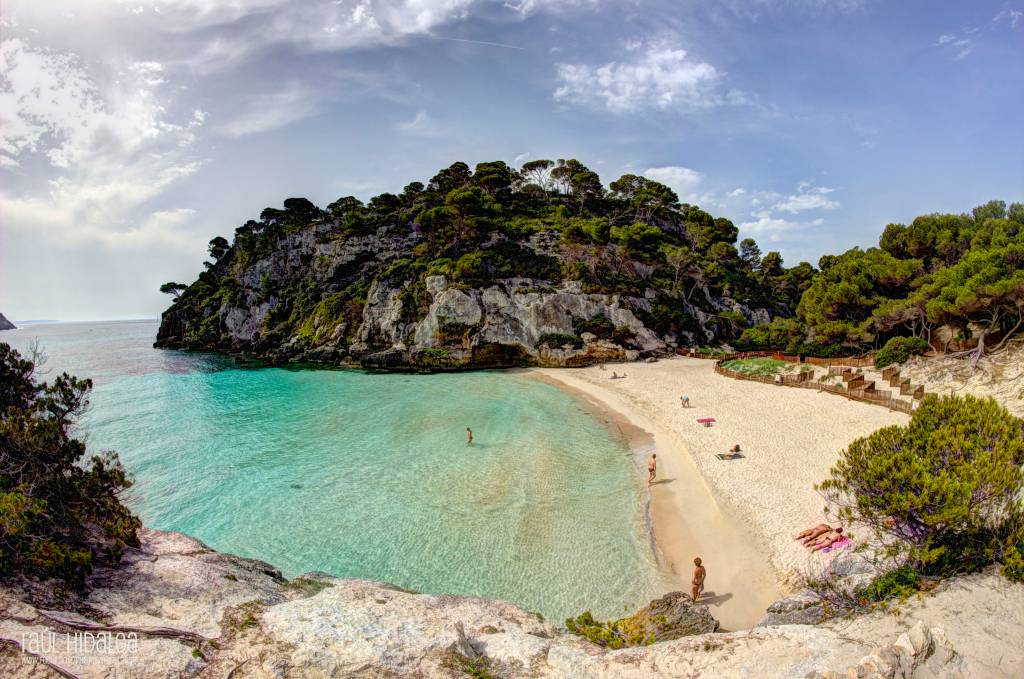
557	340
599	325
59	514
942	494
900	582
899	349
612	634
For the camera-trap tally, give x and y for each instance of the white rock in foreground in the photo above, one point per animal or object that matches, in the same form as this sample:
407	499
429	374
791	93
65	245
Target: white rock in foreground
198	613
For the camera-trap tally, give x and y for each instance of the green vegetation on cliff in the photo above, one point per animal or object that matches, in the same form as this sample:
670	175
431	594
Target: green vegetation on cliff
60	514
549	222
942	278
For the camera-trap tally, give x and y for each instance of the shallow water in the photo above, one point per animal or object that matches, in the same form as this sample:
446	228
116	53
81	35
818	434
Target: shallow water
369	475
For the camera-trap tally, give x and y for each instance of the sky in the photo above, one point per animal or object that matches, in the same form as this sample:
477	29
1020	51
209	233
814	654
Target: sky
133	132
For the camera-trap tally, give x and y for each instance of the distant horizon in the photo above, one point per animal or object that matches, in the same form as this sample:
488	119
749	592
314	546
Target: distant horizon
45	321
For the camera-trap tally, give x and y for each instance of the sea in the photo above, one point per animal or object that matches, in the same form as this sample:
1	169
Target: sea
369	475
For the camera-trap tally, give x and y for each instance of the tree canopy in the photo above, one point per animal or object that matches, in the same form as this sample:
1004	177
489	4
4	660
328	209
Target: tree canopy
60	512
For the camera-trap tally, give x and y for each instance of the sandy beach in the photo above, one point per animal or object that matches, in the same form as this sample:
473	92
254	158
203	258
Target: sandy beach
738	515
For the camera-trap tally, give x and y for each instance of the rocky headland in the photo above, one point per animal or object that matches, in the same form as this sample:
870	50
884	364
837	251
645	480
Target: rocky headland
198	613
480	269
6	324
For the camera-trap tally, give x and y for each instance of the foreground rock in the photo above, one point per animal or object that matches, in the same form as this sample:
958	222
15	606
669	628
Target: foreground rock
6	324
198	613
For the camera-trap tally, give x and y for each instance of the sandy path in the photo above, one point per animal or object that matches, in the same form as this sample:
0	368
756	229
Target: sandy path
738	515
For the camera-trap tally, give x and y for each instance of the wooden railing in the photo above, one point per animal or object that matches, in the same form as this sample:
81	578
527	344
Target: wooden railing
867	361
856	388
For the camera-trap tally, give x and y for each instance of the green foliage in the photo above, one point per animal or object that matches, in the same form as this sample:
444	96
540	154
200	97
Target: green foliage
897	583
759	367
461	666
782	334
838	305
942	494
611	634
554	221
597	325
60	513
557	340
899	350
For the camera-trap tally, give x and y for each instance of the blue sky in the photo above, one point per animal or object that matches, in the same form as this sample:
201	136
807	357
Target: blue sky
133	132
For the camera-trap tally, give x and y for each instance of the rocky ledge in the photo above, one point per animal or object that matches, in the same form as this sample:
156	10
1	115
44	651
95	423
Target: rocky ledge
6	324
176	608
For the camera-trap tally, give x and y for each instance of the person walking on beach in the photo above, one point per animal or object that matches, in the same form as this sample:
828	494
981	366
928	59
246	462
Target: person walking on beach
652	468
698	579
685	401
469	436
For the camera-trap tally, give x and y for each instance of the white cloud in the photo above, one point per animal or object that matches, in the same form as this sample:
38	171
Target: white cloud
272	110
655	77
422	125
737	192
807	197
774	229
1010	16
102	153
682	180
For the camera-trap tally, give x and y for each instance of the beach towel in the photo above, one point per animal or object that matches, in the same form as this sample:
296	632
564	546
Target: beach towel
838	544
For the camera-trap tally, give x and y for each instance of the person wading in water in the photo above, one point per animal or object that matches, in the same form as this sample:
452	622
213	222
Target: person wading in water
469	436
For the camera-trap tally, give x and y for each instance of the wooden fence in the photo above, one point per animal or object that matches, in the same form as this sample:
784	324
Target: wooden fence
805	380
849	361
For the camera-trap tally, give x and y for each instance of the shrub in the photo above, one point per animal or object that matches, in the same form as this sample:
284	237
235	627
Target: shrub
942	494
59	514
899	349
598	325
1013	559
557	340
760	367
900	582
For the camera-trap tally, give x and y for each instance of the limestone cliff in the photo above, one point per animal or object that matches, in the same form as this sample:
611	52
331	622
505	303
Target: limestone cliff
197	613
463	272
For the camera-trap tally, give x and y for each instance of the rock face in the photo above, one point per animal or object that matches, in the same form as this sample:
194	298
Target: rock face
321	298
6	324
184	610
671	617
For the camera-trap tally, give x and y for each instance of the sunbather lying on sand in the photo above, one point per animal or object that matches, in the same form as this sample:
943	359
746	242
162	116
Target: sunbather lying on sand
813	533
826	540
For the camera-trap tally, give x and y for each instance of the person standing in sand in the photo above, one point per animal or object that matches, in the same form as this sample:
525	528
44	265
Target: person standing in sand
469	436
698	579
685	401
652	468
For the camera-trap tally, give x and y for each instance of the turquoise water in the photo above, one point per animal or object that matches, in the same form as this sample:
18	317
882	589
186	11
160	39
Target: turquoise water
369	475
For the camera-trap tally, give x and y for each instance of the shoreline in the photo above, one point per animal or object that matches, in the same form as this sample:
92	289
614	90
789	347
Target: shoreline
741	581
748	508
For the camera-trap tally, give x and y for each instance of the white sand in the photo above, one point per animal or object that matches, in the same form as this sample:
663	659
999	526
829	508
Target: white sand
734	513
1000	376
